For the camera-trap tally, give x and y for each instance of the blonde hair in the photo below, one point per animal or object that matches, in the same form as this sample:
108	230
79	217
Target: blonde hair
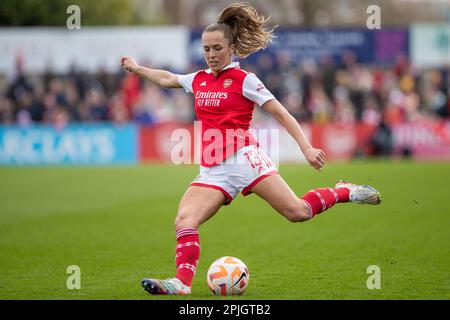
244	27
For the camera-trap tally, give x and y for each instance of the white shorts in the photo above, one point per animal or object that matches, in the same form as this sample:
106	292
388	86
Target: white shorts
238	173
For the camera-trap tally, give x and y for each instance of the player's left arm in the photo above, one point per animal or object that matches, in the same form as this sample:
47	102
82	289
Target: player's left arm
315	157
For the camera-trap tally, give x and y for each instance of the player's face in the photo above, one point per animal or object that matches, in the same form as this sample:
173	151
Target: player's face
217	50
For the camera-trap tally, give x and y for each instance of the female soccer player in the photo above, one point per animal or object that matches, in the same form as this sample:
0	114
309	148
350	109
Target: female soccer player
225	96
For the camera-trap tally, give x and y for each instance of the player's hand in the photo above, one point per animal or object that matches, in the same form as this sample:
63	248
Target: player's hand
129	64
315	157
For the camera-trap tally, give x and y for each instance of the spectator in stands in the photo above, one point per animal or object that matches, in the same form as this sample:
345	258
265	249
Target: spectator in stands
323	91
382	140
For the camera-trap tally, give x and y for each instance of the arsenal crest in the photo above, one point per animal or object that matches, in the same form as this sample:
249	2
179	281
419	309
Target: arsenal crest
227	83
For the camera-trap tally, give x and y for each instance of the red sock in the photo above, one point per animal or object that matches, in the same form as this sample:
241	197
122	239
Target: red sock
322	199
187	254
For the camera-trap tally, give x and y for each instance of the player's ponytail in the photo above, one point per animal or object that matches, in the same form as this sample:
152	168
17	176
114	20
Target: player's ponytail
244	28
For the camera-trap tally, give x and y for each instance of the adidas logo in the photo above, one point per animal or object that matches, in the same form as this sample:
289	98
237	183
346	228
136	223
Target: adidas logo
203	84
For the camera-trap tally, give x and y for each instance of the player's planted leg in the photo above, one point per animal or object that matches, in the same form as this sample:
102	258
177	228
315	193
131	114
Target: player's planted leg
187	255
168	286
197	205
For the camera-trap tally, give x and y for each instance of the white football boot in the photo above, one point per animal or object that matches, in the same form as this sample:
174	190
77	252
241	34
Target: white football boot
361	194
168	286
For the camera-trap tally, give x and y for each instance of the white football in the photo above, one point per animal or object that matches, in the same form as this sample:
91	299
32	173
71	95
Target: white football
228	276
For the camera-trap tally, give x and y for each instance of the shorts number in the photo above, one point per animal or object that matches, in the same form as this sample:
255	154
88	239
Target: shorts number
258	160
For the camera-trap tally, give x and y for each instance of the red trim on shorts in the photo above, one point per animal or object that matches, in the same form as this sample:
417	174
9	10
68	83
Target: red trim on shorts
225	193
246	191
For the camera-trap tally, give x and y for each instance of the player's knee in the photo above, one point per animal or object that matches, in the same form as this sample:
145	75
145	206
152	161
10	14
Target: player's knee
297	212
185	219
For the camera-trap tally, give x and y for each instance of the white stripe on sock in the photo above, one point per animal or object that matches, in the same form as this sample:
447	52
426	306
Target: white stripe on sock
334	194
187	244
187	266
324	206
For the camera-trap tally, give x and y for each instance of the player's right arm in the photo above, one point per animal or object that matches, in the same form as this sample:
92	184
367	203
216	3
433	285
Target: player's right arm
162	78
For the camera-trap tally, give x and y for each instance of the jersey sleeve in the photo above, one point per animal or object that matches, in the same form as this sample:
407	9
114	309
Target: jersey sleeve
185	80
254	90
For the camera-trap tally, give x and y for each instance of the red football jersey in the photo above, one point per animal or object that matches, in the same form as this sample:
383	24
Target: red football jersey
224	106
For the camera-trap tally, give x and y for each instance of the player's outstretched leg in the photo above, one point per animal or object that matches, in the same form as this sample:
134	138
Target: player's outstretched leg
320	200
361	194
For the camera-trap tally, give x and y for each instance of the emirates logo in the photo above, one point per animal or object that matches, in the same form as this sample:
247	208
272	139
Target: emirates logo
227	83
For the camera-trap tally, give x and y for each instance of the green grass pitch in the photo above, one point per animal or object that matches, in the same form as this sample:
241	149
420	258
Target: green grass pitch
116	224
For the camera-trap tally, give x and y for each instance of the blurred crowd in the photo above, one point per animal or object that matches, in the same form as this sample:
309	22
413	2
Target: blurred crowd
79	97
348	91
344	91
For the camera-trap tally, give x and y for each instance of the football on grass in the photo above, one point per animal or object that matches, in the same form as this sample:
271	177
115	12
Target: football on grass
228	276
